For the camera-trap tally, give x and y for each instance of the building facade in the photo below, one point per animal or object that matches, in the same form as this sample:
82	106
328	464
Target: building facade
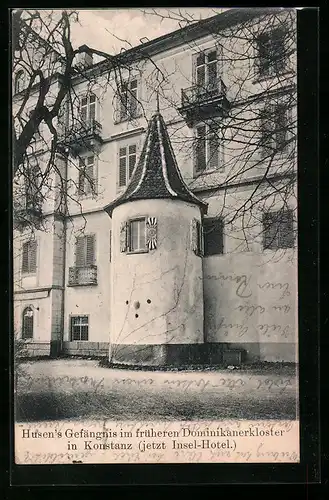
224	278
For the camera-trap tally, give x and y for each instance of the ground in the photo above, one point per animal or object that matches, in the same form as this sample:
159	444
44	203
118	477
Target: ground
82	389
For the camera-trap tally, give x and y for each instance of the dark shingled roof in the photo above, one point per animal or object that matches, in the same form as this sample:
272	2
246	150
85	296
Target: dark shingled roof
156	174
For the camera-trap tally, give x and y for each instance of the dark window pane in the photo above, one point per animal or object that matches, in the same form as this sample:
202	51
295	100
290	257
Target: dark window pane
201	149
200	59
278	230
134	235
132	162
213	236
212	56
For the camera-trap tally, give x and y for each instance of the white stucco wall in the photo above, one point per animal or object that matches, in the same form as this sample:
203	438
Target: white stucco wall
170	276
93	300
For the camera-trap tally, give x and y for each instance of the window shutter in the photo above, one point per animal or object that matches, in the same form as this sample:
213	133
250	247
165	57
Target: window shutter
201	239
267	133
123	236
213	151
133	102
201	149
286	230
270	230
79	252
81	180
89	175
25	258
194	236
281	125
33	256
122	167
151	233
132	159
90	250
213	236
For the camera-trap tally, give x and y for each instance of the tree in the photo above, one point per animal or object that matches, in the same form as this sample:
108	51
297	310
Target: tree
259	47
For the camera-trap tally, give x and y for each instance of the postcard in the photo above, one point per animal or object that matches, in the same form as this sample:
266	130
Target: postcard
155	236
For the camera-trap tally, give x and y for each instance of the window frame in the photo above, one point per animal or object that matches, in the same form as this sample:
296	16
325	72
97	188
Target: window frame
127	116
127	156
29	272
24	315
85	252
129	245
32	189
278	233
72	317
88	122
269	111
210	220
81	172
215	125
218	64
272	70
20	76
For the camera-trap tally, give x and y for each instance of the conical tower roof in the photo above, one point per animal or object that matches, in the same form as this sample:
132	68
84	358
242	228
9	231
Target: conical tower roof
156	174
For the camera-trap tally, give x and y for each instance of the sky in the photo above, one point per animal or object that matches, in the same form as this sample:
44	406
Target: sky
100	29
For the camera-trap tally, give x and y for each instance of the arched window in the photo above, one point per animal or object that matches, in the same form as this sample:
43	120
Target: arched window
27	323
19	81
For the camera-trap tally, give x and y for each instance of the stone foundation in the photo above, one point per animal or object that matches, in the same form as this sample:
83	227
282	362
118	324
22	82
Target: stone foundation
35	349
97	349
169	354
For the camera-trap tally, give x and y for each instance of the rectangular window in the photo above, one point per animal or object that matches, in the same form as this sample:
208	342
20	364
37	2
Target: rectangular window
79	328
274	125
128	100
207	71
87	181
37	135
88	109
137	235
213	236
271	57
85	251
208	148
29	257
278	230
32	184
127	162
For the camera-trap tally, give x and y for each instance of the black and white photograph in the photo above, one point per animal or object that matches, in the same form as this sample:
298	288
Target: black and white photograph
155	245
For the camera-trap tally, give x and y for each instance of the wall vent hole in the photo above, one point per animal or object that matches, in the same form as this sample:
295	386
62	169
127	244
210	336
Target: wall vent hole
148	301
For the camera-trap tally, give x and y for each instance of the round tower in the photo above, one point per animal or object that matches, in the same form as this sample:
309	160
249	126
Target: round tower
157	282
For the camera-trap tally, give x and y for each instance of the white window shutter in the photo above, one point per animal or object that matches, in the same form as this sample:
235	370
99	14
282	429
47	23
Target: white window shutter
201	240
90	250
33	256
79	251
151	233
123	237
194	236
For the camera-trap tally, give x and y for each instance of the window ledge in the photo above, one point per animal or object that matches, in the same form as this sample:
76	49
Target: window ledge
137	252
128	119
73	285
219	170
264	78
